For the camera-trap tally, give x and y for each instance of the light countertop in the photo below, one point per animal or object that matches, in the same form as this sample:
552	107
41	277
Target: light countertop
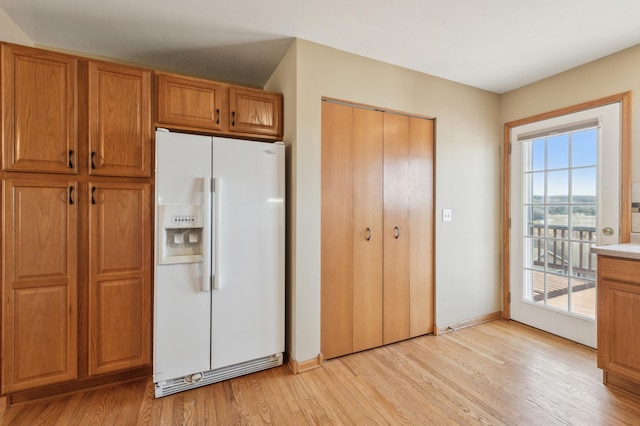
627	251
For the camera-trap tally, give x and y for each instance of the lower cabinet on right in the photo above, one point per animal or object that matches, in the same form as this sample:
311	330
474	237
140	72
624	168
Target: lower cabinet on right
618	319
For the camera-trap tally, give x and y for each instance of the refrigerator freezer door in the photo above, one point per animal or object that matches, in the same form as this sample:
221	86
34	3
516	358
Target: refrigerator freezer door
181	309
248	300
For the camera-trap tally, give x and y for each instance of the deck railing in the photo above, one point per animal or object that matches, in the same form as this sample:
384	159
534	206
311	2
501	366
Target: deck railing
559	243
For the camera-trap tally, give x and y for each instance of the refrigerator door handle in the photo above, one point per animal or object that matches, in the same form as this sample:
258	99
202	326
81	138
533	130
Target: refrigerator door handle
217	229
206	235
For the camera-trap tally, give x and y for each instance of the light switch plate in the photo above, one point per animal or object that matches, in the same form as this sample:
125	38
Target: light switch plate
447	215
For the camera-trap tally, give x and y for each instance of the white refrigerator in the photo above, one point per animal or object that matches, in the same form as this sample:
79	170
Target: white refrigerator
219	268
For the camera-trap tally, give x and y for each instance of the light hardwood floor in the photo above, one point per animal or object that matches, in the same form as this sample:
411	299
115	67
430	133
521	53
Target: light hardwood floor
495	373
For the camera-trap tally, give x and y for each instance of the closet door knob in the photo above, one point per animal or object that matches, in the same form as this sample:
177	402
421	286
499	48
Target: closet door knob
367	234
396	232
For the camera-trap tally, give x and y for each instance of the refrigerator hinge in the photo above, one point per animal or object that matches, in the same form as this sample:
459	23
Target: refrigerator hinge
162	129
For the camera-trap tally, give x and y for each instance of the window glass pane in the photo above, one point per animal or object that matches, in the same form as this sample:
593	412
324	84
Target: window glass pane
583	185
534	253
537	155
583	297
583	221
557	290
584	148
583	261
534	188
533	288
558	187
558	152
558	221
557	256
534	221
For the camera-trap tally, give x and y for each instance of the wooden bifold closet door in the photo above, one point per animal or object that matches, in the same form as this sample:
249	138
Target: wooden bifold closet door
377	228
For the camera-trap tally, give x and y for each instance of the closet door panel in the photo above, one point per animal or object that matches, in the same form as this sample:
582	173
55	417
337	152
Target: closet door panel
397	235
421	224
337	230
367	229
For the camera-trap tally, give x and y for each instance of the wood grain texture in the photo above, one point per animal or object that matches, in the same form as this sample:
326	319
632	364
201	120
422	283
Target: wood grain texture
39	283
190	101
618	311
119	120
499	373
119	285
336	258
39	110
255	111
421	224
397	232
367	229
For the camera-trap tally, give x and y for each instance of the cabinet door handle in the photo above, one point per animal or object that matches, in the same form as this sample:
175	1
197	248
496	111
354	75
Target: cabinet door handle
93	190
233	118
71	195
367	234
217	116
396	232
93	164
71	159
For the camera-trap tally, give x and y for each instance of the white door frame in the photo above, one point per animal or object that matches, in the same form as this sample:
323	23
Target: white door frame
625	178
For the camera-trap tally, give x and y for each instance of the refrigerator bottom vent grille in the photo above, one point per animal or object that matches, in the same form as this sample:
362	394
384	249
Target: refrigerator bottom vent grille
180	384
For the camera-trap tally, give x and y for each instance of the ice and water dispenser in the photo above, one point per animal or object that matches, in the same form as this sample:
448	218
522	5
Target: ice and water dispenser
181	231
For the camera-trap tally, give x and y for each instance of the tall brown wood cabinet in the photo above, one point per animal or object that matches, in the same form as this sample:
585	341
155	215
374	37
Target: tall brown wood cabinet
377	228
76	179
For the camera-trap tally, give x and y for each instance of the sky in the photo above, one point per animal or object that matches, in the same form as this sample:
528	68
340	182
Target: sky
569	157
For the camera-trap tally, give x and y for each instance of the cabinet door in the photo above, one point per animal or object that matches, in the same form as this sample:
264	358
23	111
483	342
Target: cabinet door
119	275
367	229
190	102
618	311
119	120
421	225
39	284
39	98
256	112
337	231
397	235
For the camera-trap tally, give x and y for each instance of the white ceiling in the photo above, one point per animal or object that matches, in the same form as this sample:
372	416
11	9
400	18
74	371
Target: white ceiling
496	45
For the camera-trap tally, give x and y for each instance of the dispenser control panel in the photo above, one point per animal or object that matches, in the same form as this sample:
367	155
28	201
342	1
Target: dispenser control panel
184	218
181	230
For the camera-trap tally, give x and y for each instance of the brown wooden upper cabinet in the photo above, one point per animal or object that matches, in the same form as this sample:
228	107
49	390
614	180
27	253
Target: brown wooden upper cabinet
191	102
39	110
119	120
200	105
50	101
254	111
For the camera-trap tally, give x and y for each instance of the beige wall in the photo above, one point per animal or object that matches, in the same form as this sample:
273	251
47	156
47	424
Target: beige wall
613	74
10	32
467	179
